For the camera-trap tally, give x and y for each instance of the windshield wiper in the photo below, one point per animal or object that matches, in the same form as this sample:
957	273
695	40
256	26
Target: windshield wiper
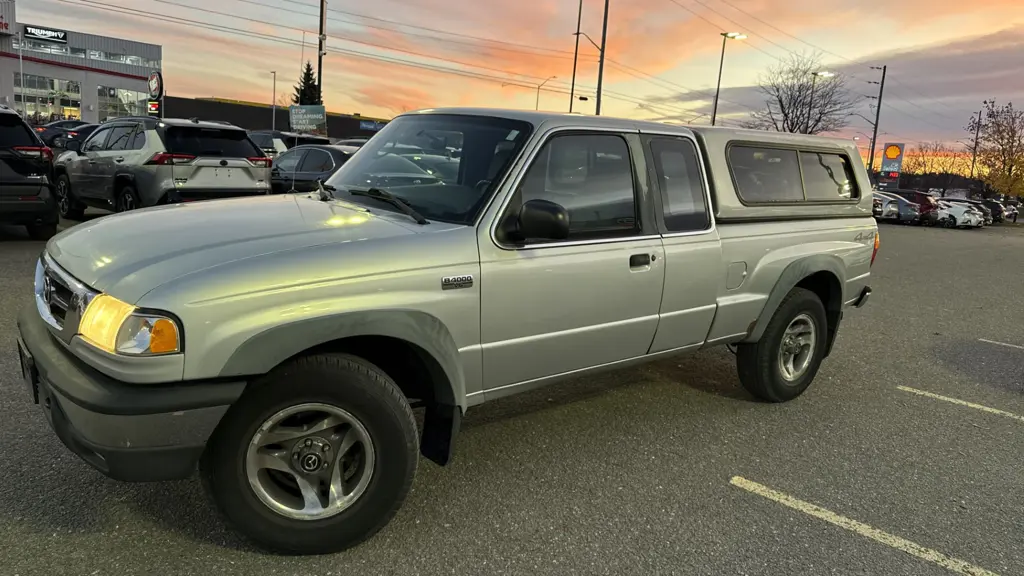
388	197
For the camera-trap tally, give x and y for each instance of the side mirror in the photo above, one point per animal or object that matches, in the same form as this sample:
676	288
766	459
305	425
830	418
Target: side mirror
542	219
74	146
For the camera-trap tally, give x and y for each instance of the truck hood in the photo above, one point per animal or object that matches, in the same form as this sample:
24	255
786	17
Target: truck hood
130	254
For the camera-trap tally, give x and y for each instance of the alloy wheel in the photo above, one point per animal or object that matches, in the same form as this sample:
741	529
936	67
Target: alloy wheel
797	347
63	202
310	461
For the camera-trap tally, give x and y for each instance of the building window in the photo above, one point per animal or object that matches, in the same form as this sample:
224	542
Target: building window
117	102
128	59
41	99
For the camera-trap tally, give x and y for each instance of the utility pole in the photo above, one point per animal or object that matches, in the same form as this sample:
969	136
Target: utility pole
575	57
600	65
974	153
273	104
878	114
321	52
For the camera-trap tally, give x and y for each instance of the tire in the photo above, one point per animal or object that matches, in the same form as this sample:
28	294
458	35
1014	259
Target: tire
126	199
341	382
41	231
951	222
759	363
67	205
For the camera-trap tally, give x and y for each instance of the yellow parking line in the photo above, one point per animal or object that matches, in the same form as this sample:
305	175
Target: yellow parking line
948	562
961	403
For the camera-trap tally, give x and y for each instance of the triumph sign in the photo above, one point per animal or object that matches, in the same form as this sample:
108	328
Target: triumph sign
46	34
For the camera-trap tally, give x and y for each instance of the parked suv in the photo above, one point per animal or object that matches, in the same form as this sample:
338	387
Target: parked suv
137	162
26	178
927	204
280	342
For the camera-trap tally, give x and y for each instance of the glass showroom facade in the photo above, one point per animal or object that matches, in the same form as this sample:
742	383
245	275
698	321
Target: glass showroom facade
50	74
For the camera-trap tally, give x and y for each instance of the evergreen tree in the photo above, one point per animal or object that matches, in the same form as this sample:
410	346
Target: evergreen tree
305	91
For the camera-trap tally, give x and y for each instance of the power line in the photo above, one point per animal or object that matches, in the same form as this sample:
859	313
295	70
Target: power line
352	40
621	96
425	28
354	53
475	42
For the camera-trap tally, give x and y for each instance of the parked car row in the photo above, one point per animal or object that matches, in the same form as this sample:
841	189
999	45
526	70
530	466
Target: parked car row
922	208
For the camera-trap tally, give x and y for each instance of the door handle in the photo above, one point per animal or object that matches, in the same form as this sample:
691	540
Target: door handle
640	260
119	159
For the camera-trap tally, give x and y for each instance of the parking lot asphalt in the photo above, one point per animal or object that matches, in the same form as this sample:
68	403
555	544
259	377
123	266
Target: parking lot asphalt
640	471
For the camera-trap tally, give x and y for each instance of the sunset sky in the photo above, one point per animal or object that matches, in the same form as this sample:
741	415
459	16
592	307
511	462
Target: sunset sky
944	56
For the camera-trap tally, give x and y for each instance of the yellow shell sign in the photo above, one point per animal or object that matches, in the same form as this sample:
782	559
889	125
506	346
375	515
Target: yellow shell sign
893	152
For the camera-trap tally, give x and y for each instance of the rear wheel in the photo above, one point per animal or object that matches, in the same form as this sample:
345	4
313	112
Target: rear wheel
314	459
127	199
951	222
41	231
67	205
782	364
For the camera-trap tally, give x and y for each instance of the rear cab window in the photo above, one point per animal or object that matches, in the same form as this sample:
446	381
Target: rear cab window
14	132
767	175
217	142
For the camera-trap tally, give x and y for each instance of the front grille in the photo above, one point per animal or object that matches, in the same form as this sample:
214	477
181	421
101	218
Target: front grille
60	298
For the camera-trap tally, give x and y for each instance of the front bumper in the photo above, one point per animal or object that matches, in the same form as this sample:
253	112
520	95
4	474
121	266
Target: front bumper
128	432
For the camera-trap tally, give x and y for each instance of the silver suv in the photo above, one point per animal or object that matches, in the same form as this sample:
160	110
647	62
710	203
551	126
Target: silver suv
280	343
135	162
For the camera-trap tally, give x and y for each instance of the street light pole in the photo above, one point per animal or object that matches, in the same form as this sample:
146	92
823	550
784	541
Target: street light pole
273	104
878	114
21	75
974	152
726	36
600	64
541	85
575	57
810	103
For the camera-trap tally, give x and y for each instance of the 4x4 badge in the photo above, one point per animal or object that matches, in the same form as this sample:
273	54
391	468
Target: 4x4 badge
455	282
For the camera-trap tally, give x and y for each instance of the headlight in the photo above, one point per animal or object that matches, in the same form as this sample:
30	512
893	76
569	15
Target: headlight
119	328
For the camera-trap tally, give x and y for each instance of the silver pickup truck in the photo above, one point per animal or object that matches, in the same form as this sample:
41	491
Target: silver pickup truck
281	343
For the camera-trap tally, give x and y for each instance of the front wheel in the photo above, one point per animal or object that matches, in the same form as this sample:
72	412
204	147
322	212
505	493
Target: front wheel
315	458
782	364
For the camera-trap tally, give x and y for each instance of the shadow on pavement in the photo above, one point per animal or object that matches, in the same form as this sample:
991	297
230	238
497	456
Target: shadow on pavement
989	364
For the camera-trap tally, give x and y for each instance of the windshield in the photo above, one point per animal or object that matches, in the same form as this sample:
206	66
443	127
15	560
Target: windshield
489	146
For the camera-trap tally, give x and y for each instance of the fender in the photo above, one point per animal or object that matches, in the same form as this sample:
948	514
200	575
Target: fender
265	350
790	277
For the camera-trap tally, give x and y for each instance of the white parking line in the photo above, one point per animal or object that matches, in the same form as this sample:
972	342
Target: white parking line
961	403
948	562
1001	344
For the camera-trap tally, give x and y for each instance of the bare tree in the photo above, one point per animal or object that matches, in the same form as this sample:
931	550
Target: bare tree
943	162
1000	147
798	98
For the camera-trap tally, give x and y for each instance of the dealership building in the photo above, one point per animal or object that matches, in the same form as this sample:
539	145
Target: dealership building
49	73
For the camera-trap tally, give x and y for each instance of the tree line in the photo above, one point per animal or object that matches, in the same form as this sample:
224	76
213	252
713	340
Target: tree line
798	100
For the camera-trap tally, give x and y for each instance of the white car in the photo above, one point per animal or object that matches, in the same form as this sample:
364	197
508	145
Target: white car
957	215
